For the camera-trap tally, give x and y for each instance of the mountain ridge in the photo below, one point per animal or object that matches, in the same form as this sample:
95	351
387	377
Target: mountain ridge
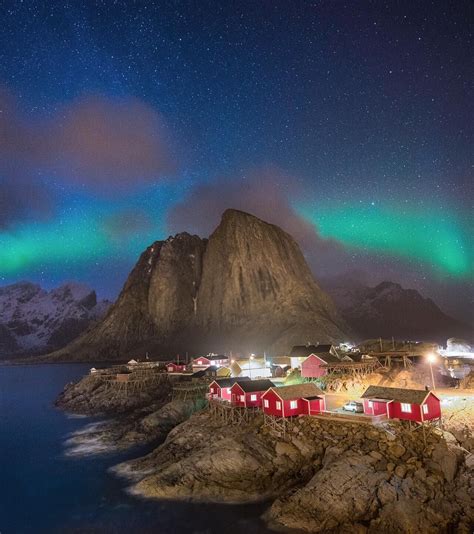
388	309
35	321
246	288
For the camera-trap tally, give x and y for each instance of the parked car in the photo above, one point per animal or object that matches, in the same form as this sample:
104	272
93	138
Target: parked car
353	406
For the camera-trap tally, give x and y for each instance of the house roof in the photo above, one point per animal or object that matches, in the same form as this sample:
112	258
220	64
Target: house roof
174	362
227	382
409	396
301	351
326	357
323	348
212	357
298	391
256	385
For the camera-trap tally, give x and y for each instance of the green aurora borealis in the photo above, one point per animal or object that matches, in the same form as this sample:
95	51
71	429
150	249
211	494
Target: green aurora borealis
442	242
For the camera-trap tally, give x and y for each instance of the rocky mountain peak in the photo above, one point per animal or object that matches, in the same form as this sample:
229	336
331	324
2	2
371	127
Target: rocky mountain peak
388	309
247	288
33	320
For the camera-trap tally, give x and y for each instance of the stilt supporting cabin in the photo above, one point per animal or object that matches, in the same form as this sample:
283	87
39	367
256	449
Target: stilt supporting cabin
354	369
190	391
227	413
278	425
133	382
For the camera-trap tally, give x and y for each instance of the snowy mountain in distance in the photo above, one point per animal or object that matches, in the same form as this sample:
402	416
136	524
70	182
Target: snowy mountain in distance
35	321
388	310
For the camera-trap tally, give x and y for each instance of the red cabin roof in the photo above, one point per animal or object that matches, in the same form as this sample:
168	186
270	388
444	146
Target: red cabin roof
409	396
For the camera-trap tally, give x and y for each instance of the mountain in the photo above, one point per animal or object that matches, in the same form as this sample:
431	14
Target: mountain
36	321
388	310
247	288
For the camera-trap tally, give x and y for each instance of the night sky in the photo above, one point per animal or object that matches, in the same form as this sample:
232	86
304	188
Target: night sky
349	124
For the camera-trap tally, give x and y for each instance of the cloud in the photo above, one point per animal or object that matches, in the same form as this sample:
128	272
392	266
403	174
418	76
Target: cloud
266	193
100	143
22	196
110	146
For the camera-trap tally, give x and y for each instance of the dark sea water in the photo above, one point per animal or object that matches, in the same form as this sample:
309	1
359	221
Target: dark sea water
44	490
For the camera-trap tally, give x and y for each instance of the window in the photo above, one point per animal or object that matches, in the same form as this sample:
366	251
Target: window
199	362
253	397
425	408
278	405
242	398
265	403
293	404
371	404
228	391
406	407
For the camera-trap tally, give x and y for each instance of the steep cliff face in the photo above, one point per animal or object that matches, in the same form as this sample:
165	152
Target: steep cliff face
156	303
246	289
257	290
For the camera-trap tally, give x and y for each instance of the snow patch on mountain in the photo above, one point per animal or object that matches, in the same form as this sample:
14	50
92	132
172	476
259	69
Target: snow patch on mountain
34	320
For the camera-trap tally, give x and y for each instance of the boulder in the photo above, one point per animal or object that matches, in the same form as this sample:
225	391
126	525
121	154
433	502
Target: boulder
407	516
344	491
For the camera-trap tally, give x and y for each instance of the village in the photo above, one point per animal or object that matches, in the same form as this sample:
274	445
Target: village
319	380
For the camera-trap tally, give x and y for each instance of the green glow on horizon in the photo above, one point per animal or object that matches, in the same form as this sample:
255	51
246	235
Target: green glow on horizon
423	234
49	243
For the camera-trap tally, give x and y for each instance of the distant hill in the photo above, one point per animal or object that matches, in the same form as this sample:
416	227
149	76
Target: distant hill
35	321
388	310
246	288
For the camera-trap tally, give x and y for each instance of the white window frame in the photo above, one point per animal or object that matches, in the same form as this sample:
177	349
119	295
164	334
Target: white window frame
425	409
199	362
253	398
278	405
293	404
405	407
228	391
371	404
242	398
265	403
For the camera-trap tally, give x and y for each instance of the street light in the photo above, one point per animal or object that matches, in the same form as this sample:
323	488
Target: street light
252	356
432	359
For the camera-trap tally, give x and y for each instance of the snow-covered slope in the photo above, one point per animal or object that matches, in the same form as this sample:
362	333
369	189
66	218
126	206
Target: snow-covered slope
34	321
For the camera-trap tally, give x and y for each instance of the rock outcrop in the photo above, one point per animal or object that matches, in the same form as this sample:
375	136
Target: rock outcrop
324	476
246	289
92	396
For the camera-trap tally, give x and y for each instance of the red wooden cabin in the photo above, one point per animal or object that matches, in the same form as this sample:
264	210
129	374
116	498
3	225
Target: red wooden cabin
220	389
203	362
288	401
398	403
311	367
176	367
249	392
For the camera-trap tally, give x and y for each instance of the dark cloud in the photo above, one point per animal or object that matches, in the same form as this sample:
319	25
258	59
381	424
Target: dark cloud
127	224
22	195
265	193
104	143
107	145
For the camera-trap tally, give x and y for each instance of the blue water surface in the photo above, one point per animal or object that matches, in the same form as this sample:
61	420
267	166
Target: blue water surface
43	490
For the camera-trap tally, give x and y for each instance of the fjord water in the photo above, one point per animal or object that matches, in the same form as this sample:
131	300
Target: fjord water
43	490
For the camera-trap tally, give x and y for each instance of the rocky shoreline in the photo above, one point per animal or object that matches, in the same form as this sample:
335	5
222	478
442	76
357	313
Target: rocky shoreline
321	476
324	476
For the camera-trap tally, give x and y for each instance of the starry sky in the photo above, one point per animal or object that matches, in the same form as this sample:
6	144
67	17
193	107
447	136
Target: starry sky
349	124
